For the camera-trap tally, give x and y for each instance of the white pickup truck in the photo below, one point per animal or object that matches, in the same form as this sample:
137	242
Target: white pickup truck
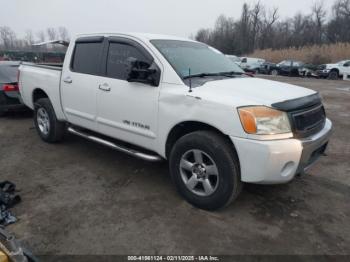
334	71
160	97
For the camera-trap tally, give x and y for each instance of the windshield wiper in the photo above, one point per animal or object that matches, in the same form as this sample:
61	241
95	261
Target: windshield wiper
200	75
226	74
231	73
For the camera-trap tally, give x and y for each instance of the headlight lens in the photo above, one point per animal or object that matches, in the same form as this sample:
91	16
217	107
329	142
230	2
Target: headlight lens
262	120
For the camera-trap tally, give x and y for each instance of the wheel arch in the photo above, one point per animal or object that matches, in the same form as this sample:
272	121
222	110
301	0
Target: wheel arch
335	69
37	94
187	127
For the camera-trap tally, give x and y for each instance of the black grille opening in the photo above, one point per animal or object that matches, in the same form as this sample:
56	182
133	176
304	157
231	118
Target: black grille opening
308	121
316	154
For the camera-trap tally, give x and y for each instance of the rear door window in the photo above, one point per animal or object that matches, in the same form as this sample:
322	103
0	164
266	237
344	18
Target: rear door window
86	58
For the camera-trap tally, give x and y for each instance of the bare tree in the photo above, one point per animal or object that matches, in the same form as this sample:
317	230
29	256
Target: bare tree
41	36
243	29
267	28
8	37
51	33
63	33
256	23
319	15
203	35
29	39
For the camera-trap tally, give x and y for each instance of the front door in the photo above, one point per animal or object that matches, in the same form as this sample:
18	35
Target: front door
126	110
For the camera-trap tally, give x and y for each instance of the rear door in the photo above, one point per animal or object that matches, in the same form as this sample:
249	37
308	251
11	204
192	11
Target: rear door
286	67
126	110
80	82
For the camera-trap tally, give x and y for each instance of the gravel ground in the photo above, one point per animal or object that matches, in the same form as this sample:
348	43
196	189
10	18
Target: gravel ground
83	198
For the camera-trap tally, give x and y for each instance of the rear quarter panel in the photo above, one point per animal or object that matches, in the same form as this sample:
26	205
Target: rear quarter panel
47	80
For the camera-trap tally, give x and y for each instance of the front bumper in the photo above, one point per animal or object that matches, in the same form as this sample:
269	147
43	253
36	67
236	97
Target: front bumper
278	161
322	73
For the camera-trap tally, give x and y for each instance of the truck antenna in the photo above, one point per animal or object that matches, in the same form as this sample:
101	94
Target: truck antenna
189	75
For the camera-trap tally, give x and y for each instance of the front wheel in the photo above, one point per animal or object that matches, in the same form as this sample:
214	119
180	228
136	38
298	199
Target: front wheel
333	75
205	170
48	127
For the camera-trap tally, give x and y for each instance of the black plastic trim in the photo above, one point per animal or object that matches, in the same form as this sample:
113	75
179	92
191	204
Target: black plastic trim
298	103
126	41
89	39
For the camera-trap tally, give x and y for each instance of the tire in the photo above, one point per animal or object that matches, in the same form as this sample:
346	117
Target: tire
274	72
48	127
191	180
333	75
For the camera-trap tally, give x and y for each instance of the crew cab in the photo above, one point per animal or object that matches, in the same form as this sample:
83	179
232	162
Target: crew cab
167	98
334	71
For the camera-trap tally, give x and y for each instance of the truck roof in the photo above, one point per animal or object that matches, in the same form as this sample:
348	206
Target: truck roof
144	36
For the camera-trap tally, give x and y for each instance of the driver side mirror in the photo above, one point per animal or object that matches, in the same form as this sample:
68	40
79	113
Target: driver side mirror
142	72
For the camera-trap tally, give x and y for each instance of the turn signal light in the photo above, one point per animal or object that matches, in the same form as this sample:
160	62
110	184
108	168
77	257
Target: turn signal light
261	120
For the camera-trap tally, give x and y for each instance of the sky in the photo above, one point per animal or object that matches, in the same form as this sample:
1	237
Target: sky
173	17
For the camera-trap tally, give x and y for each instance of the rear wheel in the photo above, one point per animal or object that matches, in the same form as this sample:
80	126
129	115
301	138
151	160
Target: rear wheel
48	127
205	170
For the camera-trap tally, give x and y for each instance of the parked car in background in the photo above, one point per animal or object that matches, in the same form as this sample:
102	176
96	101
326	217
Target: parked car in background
289	67
10	98
250	64
334	71
234	59
268	68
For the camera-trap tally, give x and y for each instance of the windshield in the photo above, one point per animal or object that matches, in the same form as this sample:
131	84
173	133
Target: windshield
194	56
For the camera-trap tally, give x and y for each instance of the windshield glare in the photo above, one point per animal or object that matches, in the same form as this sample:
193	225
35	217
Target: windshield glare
198	57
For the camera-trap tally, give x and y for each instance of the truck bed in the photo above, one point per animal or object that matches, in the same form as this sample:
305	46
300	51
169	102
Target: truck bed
46	77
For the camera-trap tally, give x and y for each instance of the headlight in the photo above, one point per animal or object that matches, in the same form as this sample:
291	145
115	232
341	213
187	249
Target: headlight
262	120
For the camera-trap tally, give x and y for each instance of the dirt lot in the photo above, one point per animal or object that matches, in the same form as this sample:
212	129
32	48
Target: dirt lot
83	198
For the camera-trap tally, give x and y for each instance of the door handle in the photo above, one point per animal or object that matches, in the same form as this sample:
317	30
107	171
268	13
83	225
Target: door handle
105	87
68	80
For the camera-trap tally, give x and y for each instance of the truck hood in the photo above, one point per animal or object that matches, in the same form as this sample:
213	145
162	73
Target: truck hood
249	91
330	66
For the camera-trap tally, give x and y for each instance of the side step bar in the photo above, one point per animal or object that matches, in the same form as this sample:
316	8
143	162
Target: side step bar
129	151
